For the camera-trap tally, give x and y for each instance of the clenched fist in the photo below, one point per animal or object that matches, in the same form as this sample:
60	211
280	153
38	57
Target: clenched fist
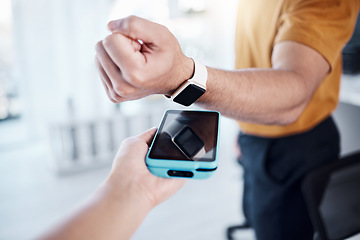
140	58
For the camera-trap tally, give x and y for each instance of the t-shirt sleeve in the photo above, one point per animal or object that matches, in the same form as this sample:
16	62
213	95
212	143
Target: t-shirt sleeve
325	26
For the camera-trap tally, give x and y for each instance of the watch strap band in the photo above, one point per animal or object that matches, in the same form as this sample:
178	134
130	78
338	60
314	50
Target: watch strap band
200	74
199	79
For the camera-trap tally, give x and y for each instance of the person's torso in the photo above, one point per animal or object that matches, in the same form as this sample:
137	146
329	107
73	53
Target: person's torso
258	24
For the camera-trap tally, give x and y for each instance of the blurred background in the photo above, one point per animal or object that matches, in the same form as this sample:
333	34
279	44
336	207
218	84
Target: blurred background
59	132
49	86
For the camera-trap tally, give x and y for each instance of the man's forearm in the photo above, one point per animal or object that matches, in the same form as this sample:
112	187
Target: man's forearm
277	95
266	96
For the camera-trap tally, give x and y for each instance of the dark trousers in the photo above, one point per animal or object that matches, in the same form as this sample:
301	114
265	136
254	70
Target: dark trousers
273	171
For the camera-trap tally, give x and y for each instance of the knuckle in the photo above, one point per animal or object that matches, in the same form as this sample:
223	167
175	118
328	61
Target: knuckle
136	79
99	46
132	20
117	99
112	96
97	63
132	17
124	91
108	40
112	100
111	69
164	29
118	89
129	24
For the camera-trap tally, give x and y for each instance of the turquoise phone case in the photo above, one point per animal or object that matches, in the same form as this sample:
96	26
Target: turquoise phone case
199	169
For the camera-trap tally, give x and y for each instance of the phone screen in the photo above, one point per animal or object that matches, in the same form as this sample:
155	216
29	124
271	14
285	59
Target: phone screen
186	135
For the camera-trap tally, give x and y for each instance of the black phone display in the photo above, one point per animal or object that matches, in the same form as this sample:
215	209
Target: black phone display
186	135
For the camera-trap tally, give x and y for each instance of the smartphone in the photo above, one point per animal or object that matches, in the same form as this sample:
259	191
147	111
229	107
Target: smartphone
185	145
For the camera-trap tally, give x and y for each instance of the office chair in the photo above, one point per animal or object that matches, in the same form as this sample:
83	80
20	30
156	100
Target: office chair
332	196
230	230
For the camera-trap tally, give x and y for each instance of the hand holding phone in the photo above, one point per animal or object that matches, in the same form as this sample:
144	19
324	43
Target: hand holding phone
185	145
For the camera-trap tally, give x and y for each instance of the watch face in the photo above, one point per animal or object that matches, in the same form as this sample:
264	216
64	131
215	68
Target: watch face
189	95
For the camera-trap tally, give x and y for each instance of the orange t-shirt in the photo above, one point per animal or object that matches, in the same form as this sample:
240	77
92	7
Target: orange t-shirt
324	25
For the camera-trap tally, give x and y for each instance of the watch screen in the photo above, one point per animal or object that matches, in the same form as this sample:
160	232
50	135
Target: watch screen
186	135
189	95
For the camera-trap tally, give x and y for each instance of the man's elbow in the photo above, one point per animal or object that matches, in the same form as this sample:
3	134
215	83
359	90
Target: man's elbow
290	116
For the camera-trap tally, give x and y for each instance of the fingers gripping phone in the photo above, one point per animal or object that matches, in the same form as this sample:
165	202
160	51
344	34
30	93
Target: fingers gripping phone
185	145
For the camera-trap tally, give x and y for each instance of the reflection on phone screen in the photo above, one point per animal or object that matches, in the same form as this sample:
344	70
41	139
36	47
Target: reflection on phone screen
186	135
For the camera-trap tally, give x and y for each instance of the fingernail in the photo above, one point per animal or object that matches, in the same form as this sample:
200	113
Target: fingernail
112	25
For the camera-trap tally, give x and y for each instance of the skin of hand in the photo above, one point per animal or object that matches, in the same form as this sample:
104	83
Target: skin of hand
121	203
140	58
131	173
277	95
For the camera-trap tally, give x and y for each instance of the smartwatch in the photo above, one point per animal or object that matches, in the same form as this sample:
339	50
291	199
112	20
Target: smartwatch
191	89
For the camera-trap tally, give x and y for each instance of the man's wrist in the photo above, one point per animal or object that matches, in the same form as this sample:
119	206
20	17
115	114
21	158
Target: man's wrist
191	89
188	68
186	71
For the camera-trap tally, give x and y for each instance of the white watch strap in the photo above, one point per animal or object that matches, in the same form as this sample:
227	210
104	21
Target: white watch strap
199	78
200	74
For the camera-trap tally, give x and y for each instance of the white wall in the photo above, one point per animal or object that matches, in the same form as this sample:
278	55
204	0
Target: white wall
54	46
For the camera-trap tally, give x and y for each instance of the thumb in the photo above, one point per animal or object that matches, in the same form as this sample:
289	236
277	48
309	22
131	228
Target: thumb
136	28
147	136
